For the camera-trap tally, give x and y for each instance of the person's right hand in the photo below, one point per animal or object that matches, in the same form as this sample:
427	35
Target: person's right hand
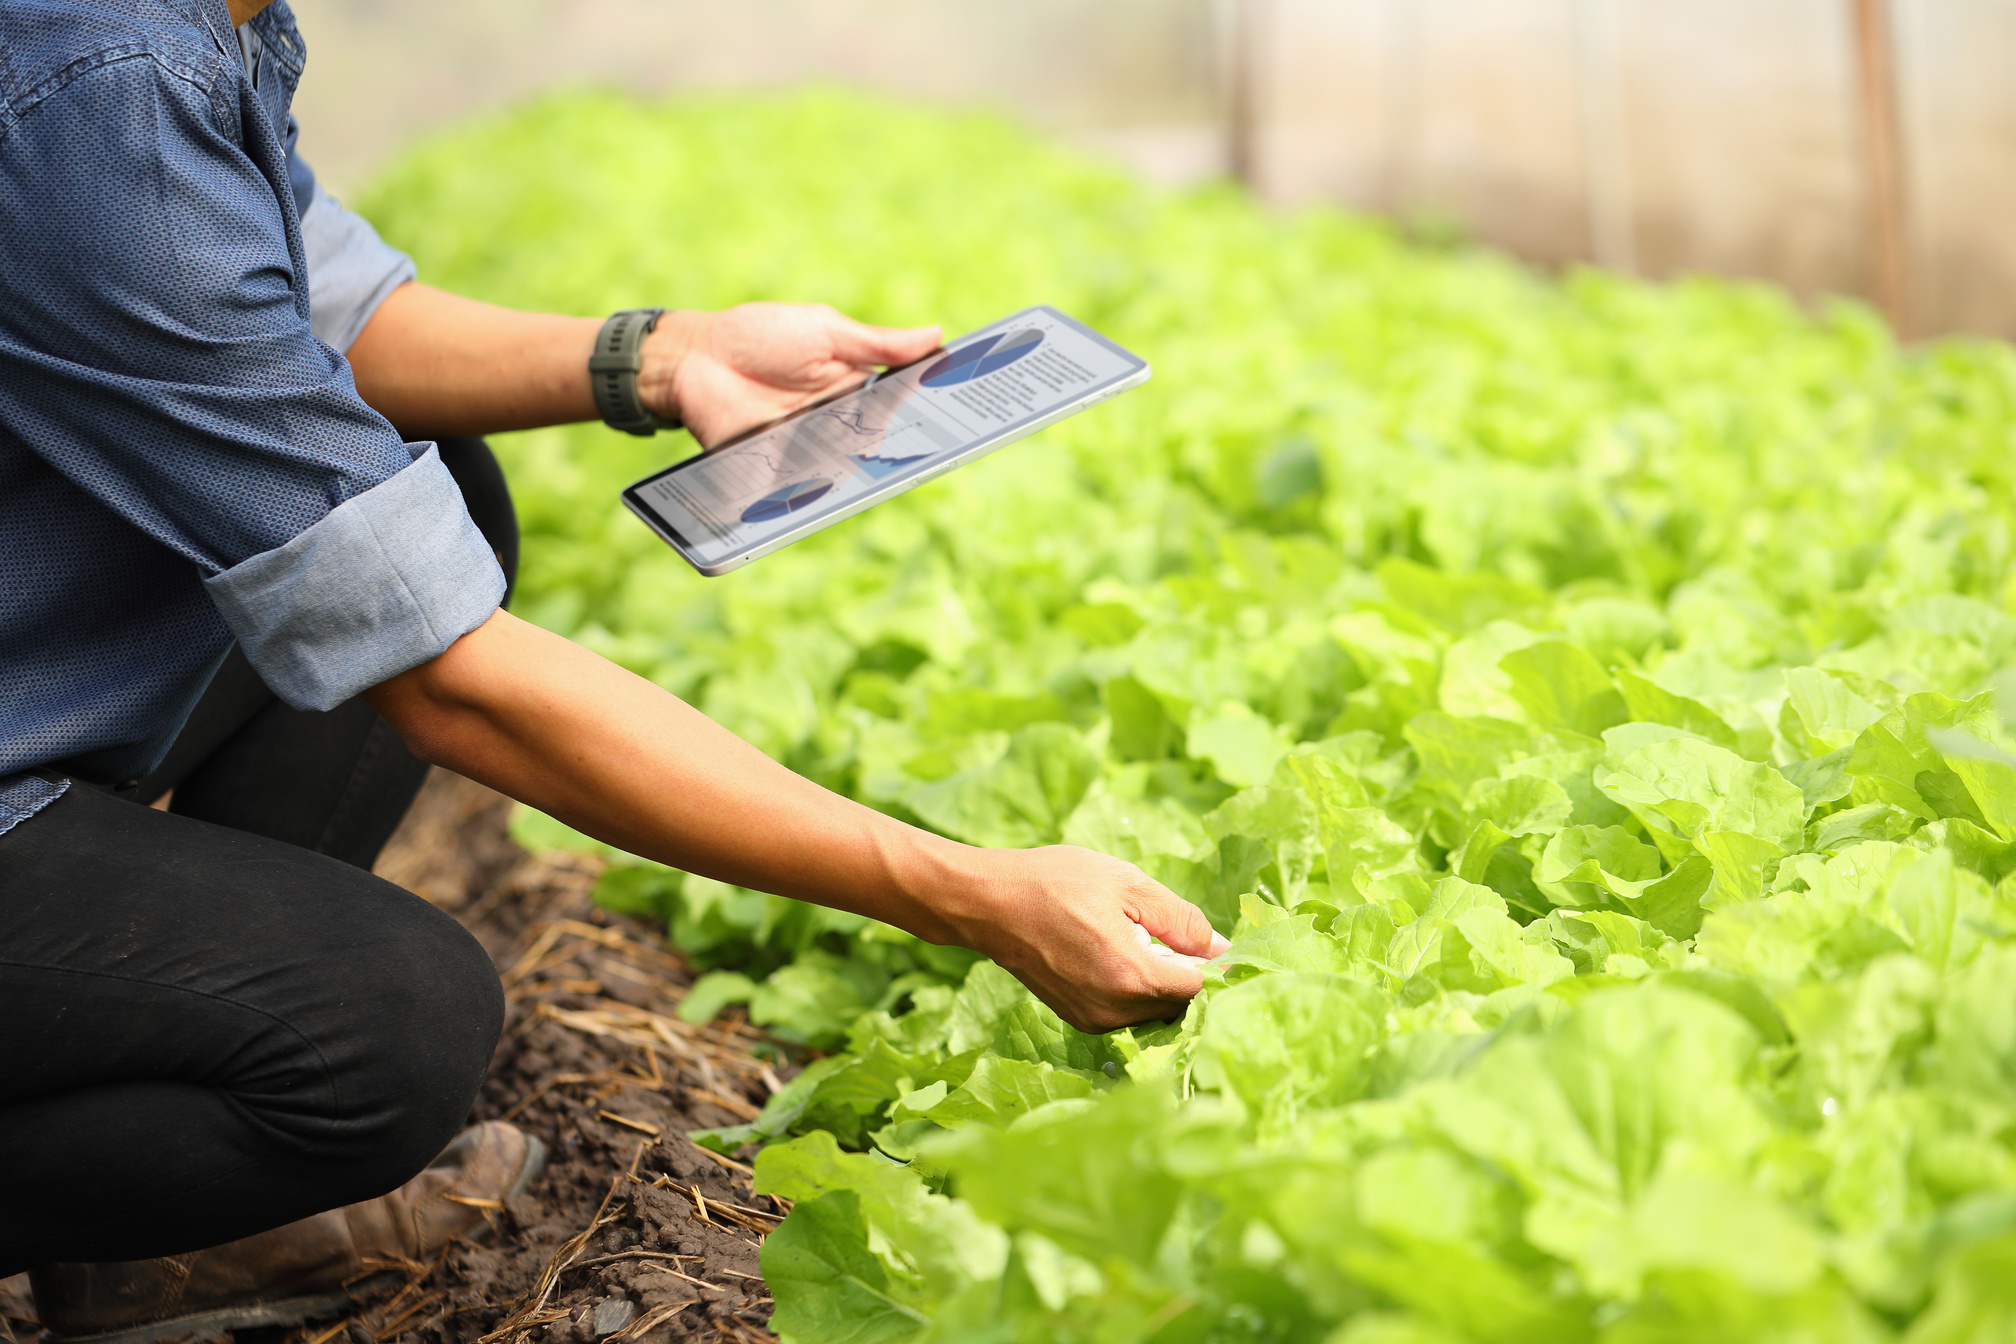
1075	926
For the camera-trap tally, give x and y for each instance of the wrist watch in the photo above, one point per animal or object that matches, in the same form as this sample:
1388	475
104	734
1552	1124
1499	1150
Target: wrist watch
613	369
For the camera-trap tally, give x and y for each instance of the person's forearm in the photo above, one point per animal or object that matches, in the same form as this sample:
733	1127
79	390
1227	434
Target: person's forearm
618	758
438	365
609	753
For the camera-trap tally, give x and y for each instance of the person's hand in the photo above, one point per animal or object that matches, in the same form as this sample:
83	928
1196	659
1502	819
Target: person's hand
1075	927
725	372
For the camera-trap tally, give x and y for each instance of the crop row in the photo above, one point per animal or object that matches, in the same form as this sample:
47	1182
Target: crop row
1576	696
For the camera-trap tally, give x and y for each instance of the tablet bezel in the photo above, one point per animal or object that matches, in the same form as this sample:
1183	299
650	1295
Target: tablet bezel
1139	372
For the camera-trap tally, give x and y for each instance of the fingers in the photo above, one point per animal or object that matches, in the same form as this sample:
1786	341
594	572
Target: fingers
858	343
1079	928
1158	989
1178	923
1176	981
1161	979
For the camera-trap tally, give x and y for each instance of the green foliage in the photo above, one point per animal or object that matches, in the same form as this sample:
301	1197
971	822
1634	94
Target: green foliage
1574	696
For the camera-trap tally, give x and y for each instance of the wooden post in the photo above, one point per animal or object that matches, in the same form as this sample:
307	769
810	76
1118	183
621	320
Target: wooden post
1883	161
1248	23
1606	145
1404	112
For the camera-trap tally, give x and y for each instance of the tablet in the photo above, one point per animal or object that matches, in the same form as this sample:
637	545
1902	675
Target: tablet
762	490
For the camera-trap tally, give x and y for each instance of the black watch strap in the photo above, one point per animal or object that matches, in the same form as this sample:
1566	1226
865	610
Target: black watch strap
613	369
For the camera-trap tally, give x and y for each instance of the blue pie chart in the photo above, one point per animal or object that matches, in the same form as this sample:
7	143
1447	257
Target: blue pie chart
790	499
981	358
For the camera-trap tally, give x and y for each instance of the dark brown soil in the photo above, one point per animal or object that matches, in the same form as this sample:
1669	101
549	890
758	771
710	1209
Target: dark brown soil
632	1235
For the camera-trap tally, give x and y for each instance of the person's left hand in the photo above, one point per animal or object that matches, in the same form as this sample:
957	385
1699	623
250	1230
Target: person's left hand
725	372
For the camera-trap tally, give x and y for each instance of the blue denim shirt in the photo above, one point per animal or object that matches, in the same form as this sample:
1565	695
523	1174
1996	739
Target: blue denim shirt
182	462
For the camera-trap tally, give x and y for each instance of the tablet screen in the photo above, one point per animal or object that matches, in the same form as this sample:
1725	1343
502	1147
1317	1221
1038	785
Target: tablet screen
906	423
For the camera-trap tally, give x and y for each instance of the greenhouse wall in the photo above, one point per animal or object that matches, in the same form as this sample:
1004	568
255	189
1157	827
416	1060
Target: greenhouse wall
1650	135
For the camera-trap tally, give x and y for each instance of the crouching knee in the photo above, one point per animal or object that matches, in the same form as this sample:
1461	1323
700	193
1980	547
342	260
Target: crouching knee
423	1010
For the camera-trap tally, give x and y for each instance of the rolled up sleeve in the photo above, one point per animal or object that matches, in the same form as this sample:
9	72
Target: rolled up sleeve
388	580
156	353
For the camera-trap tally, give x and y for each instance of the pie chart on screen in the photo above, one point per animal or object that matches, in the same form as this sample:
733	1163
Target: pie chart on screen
981	358
790	499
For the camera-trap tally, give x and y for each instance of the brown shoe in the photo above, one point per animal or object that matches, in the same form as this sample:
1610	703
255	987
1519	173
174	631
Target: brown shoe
320	1266
16	1303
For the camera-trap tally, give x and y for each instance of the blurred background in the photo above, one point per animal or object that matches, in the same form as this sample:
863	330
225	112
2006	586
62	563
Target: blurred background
1860	147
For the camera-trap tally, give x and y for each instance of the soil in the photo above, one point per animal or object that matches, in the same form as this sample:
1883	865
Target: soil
632	1235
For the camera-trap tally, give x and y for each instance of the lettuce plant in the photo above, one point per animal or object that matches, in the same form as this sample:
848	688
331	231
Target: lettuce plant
1578	698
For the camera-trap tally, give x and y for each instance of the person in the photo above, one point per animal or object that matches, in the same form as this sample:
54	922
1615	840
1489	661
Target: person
257	554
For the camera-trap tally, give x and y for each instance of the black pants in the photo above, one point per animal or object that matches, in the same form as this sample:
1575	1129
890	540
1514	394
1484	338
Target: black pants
214	1020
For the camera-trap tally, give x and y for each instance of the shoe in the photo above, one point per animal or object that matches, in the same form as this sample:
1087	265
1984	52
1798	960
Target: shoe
15	1303
319	1266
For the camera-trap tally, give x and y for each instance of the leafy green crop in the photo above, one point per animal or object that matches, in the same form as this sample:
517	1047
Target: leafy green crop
1576	696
